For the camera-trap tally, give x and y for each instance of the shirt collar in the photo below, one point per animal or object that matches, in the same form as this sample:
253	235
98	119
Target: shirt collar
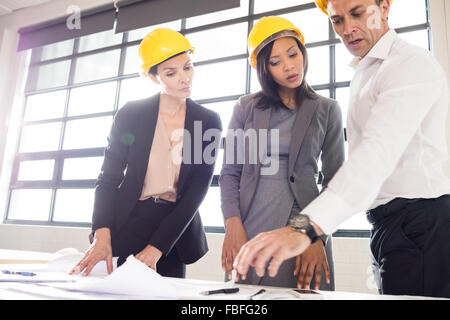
380	50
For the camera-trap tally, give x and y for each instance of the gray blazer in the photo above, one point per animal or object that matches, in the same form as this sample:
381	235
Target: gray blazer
317	132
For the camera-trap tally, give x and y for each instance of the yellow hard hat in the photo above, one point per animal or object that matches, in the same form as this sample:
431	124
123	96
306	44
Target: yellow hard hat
268	29
159	45
322	5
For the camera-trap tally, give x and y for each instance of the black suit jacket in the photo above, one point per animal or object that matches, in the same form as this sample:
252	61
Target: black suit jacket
121	180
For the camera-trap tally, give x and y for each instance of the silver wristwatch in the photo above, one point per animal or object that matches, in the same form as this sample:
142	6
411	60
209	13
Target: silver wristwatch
302	223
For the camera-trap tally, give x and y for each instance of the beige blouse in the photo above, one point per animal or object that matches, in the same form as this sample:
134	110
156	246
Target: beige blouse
163	170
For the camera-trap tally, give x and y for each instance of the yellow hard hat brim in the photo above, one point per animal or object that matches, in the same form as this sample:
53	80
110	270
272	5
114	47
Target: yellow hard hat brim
296	33
146	67
322	5
160	45
266	28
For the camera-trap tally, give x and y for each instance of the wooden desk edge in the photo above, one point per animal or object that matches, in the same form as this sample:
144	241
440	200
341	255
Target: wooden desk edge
12	261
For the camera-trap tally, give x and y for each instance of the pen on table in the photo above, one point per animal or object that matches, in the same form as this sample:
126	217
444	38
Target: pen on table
258	295
227	290
22	273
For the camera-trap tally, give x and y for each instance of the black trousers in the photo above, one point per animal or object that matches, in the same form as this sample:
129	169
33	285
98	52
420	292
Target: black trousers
410	243
136	234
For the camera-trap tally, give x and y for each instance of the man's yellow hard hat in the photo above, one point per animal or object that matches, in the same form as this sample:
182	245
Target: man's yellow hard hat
159	45
268	29
322	5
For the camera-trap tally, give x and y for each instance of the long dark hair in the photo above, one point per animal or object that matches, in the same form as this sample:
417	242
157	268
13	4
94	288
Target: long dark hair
270	96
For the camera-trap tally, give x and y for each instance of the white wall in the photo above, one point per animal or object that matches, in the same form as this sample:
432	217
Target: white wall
351	255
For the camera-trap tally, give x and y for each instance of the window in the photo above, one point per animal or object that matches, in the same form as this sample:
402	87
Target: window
218	43
35	170
74	88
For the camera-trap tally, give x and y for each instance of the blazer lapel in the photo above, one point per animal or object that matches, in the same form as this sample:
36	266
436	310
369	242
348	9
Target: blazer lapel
144	145
261	121
304	116
189	142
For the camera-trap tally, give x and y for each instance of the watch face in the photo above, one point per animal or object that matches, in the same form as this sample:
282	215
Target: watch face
300	221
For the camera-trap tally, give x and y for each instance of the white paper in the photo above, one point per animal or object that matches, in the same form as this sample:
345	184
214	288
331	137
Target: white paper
133	278
68	260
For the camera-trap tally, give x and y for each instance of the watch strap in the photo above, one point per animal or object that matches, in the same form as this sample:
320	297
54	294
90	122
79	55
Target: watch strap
311	233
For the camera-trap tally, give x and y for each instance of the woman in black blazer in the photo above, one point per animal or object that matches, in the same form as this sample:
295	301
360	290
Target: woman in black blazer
157	169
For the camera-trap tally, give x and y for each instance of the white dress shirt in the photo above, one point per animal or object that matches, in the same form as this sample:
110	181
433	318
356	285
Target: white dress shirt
396	133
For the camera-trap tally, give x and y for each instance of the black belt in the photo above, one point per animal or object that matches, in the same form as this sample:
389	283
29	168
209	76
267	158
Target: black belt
385	210
161	201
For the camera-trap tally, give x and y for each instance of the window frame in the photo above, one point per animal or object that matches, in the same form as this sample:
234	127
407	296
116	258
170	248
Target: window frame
60	155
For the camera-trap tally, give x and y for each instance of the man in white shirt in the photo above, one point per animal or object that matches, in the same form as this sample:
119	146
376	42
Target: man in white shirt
397	149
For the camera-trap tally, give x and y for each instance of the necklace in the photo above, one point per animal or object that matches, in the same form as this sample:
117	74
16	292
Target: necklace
172	113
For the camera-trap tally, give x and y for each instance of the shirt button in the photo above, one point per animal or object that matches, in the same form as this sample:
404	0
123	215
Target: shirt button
292	179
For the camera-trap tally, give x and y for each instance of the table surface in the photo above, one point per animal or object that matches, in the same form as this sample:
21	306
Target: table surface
37	262
19	257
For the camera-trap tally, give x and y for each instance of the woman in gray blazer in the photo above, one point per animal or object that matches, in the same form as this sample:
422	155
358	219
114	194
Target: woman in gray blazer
272	149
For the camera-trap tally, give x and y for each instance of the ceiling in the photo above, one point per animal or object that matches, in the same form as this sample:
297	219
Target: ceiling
8	6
